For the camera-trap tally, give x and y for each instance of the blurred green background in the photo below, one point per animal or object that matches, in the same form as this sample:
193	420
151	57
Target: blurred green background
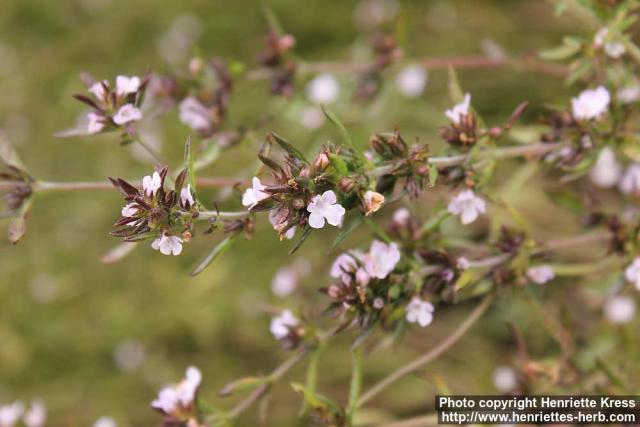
64	316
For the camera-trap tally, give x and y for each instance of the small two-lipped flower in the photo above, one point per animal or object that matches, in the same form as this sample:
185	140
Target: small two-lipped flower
591	104
419	311
113	106
378	263
613	49
468	206
459	110
325	208
541	274
178	401
254	195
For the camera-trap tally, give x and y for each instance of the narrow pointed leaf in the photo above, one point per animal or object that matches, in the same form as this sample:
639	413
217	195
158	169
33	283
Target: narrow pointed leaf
218	250
288	147
305	233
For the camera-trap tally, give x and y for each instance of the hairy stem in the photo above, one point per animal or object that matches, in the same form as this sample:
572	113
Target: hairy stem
430	355
49	186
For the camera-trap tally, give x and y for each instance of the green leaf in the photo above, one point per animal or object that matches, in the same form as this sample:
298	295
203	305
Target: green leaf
433	175
343	131
189	164
353	224
241	384
305	234
315	400
8	154
288	147
566	200
339	164
218	250
455	90
566	50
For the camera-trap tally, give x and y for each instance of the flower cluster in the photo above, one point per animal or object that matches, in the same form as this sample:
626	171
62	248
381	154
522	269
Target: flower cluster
178	402
114	107
16	414
153	212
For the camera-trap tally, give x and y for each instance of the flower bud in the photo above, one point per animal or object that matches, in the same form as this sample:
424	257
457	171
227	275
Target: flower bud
286	42
321	162
373	201
495	132
195	65
378	303
298	204
346	184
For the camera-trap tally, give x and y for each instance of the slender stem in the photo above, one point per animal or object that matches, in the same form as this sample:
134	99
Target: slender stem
430	355
262	390
356	384
204	182
536	149
205	215
149	149
527	63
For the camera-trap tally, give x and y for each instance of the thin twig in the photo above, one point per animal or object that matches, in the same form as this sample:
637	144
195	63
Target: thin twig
430	355
203	182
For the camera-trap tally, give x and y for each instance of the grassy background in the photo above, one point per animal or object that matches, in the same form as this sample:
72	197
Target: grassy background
63	313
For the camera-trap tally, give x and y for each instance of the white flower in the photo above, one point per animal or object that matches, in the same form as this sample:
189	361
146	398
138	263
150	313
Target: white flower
10	414
505	379
419	311
325	207
195	114
151	184
344	265
606	172
181	395
620	310
630	182
168	245
105	422
613	49
540	274
126	85
462	263
411	81
127	113
373	201
186	198
96	123
632	273
130	210
591	103
459	110
467	205
284	282
97	89
36	416
280	325
381	259
323	89
253	195
629	94
401	217
312	117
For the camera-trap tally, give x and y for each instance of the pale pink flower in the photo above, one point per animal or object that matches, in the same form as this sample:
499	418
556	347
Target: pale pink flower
323	89
10	414
606	171
620	310
630	182
36	415
168	245
97	122
411	81
540	274
505	378
97	89
468	206
325	207
459	110
177	397
632	273
401	217
151	184
186	198
127	85
419	311
281	325
591	103
195	114
126	114
105	422
345	265
130	210
462	263
611	48
252	196
381	259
